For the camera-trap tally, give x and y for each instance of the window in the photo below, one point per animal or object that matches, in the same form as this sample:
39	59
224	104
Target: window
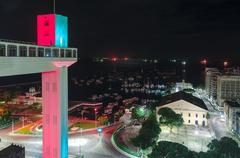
203	116
47	52
22	51
2	50
12	50
68	53
41	52
189	114
74	53
55	52
62	53
196	122
196	115
32	51
189	121
203	124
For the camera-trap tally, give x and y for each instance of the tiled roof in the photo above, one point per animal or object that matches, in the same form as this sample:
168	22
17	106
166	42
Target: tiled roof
182	96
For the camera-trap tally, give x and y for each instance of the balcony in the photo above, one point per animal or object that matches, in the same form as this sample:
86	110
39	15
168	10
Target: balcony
20	49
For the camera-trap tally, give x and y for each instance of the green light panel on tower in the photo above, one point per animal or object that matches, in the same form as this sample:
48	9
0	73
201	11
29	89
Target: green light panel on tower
61	25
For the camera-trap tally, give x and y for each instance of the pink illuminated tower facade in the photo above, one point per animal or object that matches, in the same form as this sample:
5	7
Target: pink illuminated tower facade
52	32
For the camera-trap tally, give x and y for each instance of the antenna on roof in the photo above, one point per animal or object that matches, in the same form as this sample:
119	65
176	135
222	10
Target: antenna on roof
54	6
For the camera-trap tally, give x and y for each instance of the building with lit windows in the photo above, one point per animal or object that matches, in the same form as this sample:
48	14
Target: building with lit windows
192	109
231	111
211	82
228	88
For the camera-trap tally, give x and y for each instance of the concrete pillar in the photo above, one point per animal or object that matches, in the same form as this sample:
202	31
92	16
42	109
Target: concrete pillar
55	113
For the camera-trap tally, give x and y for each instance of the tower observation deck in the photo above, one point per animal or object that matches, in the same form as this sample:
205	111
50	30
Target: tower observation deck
51	57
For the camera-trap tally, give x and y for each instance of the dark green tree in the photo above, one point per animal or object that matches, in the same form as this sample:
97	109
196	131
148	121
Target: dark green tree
166	149
226	147
148	134
169	118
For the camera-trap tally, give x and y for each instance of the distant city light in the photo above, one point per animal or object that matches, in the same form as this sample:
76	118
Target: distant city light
114	59
204	62
184	62
126	58
225	63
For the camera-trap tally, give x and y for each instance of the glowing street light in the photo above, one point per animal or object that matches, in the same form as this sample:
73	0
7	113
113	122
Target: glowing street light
114	59
95	112
225	63
204	62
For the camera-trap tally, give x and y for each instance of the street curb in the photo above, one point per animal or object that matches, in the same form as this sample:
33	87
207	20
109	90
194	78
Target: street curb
120	150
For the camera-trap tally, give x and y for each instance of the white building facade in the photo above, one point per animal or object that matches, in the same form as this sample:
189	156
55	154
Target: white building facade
192	109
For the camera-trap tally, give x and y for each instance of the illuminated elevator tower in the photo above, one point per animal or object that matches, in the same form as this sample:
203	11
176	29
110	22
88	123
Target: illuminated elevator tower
52	31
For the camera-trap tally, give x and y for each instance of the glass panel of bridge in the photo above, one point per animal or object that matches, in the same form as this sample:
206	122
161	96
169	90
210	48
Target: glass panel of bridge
55	52
12	50
62	53
22	51
68	53
74	53
40	52
32	51
2	50
48	52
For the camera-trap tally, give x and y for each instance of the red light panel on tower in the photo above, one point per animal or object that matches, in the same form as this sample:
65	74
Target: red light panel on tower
46	30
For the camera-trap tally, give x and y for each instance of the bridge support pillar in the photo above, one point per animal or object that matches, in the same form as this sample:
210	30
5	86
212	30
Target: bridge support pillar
55	113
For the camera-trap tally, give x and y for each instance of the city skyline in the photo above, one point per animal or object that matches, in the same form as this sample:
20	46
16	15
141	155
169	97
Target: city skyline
137	29
91	79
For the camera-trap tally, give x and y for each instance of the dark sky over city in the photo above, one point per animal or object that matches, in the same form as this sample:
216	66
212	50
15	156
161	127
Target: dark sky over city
137	28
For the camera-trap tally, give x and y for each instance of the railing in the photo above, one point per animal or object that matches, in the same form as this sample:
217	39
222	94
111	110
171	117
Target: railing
10	49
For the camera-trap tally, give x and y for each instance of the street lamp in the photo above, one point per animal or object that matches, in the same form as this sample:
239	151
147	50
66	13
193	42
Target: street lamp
95	113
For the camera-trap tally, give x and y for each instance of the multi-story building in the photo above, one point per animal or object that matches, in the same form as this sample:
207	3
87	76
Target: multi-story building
211	82
238	123
193	110
228	88
232	111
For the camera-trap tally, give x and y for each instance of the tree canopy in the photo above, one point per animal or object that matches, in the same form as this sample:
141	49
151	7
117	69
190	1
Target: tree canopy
169	118
148	134
171	150
224	148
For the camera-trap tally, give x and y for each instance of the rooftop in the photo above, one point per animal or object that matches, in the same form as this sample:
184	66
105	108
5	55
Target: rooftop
182	96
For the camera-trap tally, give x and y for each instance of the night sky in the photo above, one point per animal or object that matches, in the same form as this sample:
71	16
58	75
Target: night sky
136	28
